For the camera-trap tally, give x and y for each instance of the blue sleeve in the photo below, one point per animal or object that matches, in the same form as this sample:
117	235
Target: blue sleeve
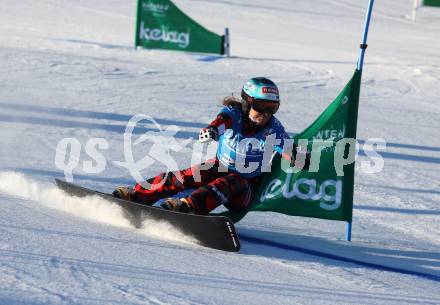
279	149
231	111
282	134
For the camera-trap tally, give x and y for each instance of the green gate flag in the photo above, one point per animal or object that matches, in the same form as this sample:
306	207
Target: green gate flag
162	25
326	193
431	3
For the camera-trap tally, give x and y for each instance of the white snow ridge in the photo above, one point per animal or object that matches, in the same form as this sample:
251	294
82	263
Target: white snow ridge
91	207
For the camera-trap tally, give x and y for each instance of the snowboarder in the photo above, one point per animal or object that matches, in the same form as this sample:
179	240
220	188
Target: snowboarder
251	117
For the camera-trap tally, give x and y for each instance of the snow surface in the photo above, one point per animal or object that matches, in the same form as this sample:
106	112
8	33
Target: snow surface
68	69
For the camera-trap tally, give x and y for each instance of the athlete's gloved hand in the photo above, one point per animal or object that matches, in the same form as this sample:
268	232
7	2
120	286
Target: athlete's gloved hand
208	134
300	158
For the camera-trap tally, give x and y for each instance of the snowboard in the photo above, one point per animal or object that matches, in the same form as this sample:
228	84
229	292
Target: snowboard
217	232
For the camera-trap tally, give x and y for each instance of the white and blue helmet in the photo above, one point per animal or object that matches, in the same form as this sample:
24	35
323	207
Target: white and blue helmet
261	88
261	94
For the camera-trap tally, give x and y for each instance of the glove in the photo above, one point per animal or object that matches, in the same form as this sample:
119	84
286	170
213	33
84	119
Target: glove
305	158
208	134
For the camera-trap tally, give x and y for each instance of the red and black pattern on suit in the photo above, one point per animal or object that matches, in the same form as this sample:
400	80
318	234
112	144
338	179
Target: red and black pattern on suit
213	188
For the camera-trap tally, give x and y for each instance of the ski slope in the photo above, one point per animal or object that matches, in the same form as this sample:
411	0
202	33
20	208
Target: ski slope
68	70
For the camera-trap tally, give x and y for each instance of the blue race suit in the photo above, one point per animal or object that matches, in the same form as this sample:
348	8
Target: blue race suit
244	153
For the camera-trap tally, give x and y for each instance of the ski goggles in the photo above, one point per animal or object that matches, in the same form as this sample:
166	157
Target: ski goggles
261	106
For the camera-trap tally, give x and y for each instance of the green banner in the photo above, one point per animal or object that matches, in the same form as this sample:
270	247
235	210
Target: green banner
324	191
431	3
162	25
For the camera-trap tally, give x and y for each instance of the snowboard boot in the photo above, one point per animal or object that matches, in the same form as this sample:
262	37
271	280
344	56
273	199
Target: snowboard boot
124	192
182	205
